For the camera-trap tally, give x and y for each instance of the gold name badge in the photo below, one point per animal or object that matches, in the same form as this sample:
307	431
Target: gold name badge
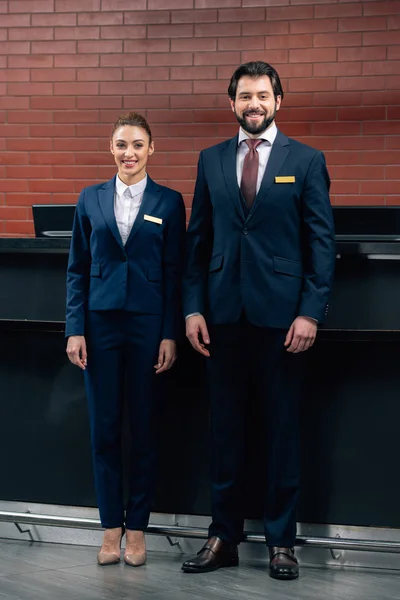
288	179
153	219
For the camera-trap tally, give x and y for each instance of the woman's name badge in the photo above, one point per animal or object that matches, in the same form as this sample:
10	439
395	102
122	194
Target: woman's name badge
153	219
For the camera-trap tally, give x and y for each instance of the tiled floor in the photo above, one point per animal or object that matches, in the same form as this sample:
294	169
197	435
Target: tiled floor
33	571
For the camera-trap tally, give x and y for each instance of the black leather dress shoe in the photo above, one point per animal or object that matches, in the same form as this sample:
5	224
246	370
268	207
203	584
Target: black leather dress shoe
215	554
283	563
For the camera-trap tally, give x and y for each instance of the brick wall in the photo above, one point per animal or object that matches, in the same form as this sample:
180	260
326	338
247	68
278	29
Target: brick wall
69	67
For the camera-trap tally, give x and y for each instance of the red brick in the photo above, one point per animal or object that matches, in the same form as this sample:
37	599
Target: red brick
358	200
380	187
15	213
266	28
194	16
30	172
381	127
169	4
76	144
77	33
185	158
31	116
15	20
78	89
103	74
2	89
3	61
289	13
338	10
27	144
51	158
241	43
146	74
172	87
265	2
337	69
393	22
381	38
20	227
15	185
193	45
52	131
30	89
53	47
362	113
296	100
15	47
50	103
31	6
16	103
14	75
345	187
288	41
392	200
124	87
217	58
198	101
146	46
170	31
51	185
89	102
341	158
337	128
364	24
210	87
13	158
381	8
124	60
308	114
76	60
241	15
76	116
362	53
296	129
312	55
75	172
382	97
3	6
29	62
270	56
381	68
97	18
53	75
123	32
3	35
214	116
99	47
217	3
320	84
170	59
33	33
385	157
53	20
361	143
313	26
148	17
87	158
393	82
218	29
145	102
393	112
193	73
124	5
174	144
77	5
361	83
324	40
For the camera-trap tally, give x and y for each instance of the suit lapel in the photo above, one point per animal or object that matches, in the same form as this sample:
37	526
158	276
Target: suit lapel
106	202
151	198
228	159
279	152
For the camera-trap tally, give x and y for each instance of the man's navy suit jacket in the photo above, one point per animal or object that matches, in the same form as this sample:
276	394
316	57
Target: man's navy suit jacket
277	262
144	276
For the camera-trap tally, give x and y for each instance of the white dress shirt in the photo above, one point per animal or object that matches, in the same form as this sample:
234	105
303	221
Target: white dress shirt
264	150
127	201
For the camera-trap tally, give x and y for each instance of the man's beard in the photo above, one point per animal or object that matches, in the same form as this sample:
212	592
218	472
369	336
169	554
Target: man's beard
253	128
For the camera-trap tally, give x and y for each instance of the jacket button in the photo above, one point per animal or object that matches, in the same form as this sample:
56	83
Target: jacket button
123	259
245	231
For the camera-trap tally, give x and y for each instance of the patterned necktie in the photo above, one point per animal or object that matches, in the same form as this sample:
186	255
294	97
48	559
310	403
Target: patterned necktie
248	185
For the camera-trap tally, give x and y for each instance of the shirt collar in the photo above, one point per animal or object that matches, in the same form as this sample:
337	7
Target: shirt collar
136	188
269	135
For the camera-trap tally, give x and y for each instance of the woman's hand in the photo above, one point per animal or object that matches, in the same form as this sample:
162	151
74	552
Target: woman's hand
166	356
76	350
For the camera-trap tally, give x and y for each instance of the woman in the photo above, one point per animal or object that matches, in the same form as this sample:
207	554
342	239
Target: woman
123	288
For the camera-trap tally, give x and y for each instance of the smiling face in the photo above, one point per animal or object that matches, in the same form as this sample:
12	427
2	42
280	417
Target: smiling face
131	148
255	105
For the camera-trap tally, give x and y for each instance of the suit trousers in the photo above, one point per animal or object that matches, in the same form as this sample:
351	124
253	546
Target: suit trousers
243	357
122	351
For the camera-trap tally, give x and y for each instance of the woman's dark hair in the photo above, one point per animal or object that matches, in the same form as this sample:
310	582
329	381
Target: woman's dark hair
255	69
134	119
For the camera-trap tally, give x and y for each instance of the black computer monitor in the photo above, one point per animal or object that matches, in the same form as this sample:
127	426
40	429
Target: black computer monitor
53	220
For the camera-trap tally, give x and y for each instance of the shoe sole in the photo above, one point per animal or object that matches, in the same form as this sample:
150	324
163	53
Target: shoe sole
234	563
285	577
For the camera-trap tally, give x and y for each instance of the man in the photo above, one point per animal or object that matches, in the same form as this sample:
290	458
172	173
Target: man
260	265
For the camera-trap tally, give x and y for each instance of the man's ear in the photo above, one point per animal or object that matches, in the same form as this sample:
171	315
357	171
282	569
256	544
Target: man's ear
232	103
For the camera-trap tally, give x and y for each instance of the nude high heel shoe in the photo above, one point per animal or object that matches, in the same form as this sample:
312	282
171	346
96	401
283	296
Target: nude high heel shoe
135	551
105	557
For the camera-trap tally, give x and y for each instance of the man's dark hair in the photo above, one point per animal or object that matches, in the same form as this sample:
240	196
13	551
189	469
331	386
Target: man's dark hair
255	69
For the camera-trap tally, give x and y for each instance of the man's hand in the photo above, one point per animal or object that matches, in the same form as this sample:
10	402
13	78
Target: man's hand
166	356
76	350
197	334
301	335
